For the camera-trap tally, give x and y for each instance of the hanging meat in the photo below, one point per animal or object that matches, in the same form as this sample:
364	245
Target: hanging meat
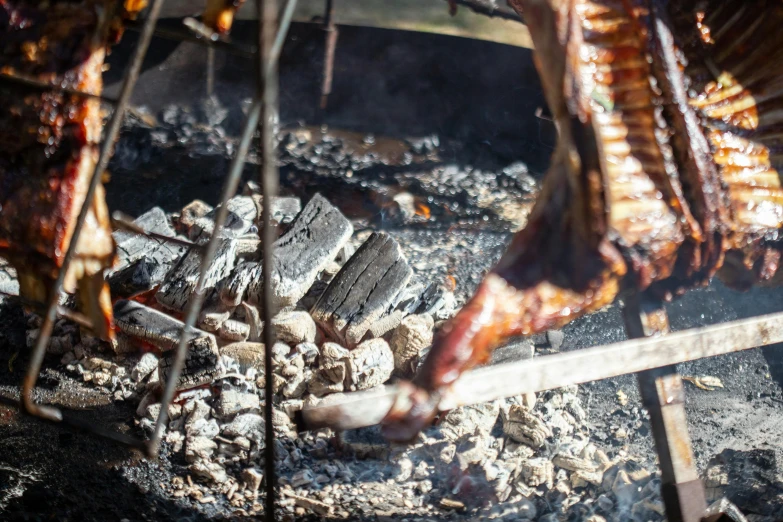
49	145
670	122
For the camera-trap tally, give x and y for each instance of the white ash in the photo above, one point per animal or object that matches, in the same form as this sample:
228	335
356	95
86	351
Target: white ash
409	339
525	458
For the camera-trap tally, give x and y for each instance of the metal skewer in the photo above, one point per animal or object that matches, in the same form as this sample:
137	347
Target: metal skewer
367	408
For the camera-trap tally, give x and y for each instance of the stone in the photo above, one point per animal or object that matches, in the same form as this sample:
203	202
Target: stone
409	339
369	365
294	327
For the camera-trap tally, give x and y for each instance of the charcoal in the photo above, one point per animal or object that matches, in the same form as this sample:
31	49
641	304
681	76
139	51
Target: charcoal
408	341
201	363
233	330
9	285
252	479
233	288
518	350
192	211
144	367
314	239
386	324
309	352
198	449
363	290
138	277
369	364
526	427
232	401
212	317
152	326
242	213
285	210
153	221
253	319
181	281
248	425
294	327
143	261
247	354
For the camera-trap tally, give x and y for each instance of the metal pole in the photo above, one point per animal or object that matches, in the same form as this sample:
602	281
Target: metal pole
664	397
268	92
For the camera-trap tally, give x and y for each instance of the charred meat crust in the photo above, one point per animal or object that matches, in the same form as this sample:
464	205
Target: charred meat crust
665	172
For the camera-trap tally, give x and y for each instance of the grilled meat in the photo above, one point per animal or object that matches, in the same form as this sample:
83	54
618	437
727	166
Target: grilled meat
49	145
664	173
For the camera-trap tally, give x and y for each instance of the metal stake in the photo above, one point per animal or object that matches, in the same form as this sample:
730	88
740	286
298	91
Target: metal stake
663	396
331	45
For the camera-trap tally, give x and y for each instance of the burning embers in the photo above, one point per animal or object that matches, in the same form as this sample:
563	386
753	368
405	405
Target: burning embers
351	319
355	297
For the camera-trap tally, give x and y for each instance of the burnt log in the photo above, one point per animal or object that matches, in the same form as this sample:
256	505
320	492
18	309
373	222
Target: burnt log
314	239
181	281
363	291
151	326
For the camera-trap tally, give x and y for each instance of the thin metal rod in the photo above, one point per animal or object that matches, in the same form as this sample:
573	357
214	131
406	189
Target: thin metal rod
332	34
43	86
359	409
210	71
663	396
267	86
131	75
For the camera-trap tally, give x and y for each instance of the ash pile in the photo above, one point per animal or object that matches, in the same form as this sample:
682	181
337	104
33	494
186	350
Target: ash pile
353	315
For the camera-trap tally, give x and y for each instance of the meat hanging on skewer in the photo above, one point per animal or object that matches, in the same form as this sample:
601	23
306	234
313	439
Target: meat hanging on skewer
49	145
664	173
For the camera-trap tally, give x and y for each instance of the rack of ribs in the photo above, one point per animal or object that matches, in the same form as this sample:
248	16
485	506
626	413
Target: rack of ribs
670	131
49	145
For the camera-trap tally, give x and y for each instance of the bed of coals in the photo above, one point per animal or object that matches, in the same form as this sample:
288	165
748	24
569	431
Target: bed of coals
352	316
